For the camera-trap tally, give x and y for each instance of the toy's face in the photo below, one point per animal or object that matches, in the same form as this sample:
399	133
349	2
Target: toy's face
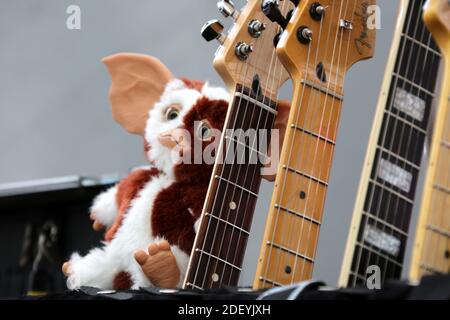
167	134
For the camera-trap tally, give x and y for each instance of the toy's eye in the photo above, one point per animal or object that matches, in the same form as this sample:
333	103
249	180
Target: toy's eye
172	113
204	131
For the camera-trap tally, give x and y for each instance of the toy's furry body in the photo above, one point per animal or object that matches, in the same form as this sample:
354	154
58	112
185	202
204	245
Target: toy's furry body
160	202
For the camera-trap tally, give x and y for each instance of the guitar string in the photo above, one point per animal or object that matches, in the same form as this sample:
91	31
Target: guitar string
378	212
417	142
231	172
267	261
410	63
369	197
219	156
340	105
272	89
432	213
285	179
394	161
291	227
438	214
384	139
273	64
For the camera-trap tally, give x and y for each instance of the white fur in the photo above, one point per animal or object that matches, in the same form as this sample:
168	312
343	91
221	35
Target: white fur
104	207
215	93
100	266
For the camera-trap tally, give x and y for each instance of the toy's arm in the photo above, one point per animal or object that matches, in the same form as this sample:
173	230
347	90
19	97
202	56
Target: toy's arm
104	209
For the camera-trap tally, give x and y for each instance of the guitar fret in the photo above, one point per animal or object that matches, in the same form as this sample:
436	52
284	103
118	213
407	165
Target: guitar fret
390	153
412	83
228	223
247	185
236	185
357	275
398	194
391	226
217	258
272	282
305	175
362	245
390	114
293	252
298	214
322	89
422	44
194	286
256	102
248	147
438	230
430	268
441	188
313	134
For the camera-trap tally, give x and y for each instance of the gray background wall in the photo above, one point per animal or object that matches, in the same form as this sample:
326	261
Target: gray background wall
55	118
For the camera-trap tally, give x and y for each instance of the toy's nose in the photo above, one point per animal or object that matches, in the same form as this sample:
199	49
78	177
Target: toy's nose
171	138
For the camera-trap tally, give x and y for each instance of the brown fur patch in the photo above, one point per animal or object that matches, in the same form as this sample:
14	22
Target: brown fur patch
177	207
122	281
127	190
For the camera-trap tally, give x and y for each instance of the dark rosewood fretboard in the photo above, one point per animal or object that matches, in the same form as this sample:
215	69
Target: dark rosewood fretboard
218	253
391	191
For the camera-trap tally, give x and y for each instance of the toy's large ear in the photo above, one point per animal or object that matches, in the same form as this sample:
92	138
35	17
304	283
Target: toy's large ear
138	81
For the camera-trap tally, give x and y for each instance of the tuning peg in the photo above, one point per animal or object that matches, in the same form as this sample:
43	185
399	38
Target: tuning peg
227	9
213	29
272	11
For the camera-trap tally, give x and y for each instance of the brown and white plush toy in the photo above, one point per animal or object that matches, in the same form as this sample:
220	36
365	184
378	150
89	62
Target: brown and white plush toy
150	214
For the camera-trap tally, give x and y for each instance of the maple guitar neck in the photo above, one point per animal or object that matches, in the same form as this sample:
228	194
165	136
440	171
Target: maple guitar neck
317	66
387	191
249	66
431	254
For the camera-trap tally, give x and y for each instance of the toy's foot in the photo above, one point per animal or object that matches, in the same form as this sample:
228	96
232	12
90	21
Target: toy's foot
159	265
66	269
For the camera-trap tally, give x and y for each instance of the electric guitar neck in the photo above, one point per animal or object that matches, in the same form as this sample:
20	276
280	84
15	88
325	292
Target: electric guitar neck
320	43
387	191
431	254
247	62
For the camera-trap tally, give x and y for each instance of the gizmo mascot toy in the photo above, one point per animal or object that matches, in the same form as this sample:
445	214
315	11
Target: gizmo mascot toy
151	215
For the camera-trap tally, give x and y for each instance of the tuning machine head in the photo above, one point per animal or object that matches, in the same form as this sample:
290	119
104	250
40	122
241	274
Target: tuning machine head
213	29
271	9
227	9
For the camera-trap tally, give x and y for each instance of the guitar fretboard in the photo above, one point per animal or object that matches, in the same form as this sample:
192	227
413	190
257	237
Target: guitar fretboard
391	191
218	253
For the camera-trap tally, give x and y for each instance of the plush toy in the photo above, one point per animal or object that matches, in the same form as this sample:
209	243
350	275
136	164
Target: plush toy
153	209
151	215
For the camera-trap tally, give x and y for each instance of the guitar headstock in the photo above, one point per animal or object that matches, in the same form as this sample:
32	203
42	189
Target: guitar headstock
437	19
248	49
325	38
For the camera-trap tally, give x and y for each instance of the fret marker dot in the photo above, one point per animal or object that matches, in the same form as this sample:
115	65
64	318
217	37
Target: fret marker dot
447	254
215	277
302	194
288	269
233	205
